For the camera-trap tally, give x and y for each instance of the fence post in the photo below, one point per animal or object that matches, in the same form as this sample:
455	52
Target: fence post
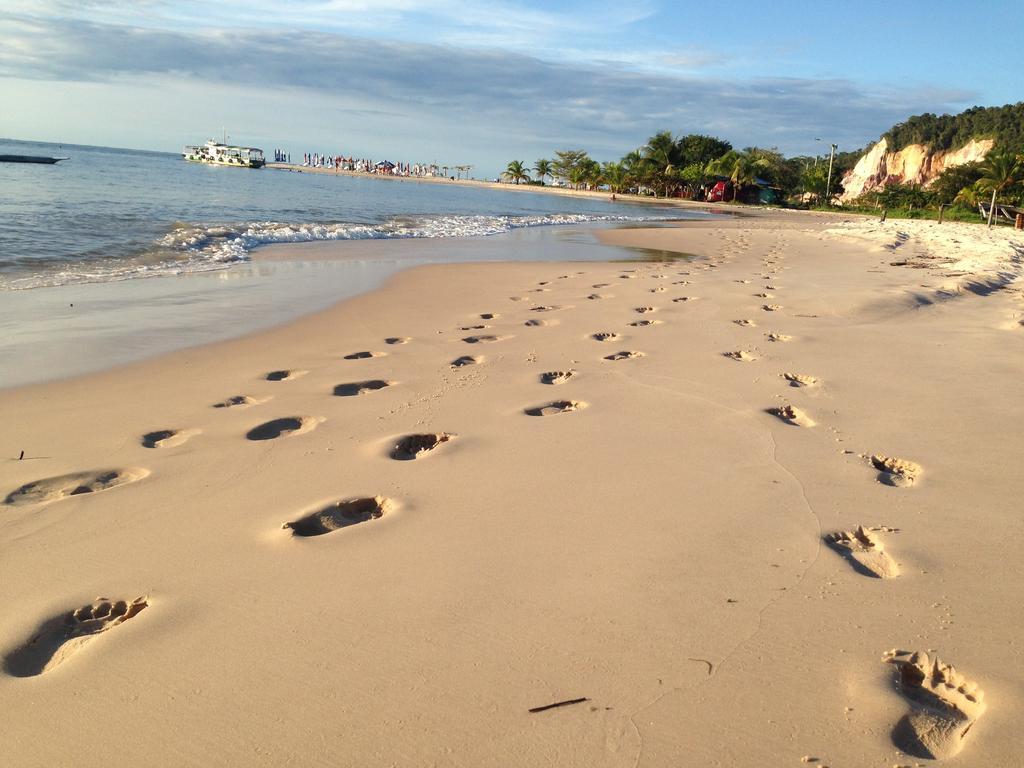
1019	221
884	214
942	210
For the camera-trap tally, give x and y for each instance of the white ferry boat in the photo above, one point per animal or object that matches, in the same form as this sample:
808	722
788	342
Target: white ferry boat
216	153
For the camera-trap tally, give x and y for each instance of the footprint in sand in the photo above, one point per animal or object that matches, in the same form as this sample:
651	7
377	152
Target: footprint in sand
644	310
485	339
624	355
353	388
742	355
557	406
604	336
473	327
900	473
284	375
167	438
771	307
865	552
62	636
364	355
763	295
681	282
397	340
539	290
517	298
778	337
659	289
801	380
539	323
548	308
792	415
75	484
240	401
944	705
286	427
644	323
340	514
683	299
627	277
489	316
597	296
411	447
600	285
745	323
556	377
461	362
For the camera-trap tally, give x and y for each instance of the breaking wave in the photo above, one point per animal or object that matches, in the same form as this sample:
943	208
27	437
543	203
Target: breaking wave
205	247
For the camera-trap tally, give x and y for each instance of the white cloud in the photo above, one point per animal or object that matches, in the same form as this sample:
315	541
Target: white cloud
450	95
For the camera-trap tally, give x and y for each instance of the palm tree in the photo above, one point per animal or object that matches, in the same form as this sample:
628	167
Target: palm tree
516	171
542	169
741	168
969	196
661	150
614	176
1000	171
578	176
744	172
632	163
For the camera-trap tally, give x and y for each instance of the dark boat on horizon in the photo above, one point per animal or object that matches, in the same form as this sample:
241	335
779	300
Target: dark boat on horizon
30	159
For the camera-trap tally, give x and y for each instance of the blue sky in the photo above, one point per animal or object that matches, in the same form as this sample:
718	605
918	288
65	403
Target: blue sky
465	81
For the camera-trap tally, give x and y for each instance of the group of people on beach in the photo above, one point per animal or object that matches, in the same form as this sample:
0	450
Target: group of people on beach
280	156
364	165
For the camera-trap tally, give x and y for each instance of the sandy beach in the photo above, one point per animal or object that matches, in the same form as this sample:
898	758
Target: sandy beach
757	507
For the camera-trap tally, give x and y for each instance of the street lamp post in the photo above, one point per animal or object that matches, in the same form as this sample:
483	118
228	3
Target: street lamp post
828	183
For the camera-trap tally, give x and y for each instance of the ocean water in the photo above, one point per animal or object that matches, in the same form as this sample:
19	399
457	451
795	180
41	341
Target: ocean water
107	215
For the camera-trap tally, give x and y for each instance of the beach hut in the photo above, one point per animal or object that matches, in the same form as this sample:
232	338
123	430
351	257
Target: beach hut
384	166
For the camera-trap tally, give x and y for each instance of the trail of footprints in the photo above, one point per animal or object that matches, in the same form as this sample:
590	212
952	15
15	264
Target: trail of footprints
943	704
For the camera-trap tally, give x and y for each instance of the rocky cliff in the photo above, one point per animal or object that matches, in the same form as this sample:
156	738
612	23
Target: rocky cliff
914	164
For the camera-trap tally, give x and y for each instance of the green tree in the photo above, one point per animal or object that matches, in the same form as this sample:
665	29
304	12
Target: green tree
741	168
969	197
542	168
693	176
566	160
592	176
516	172
948	184
1000	171
699	149
578	176
814	180
615	176
662	152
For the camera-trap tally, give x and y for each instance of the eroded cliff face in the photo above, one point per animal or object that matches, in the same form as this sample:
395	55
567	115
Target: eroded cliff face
914	164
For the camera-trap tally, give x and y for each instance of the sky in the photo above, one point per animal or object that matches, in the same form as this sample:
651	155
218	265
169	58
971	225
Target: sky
483	82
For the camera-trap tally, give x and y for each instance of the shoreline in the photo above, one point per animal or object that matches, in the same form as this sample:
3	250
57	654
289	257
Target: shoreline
502	186
63	331
656	540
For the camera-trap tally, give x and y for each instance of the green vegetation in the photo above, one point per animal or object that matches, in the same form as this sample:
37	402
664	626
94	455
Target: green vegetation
543	169
516	172
692	165
1004	124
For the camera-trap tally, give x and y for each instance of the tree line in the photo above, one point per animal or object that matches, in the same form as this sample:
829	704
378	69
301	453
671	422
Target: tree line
687	166
671	166
942	132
